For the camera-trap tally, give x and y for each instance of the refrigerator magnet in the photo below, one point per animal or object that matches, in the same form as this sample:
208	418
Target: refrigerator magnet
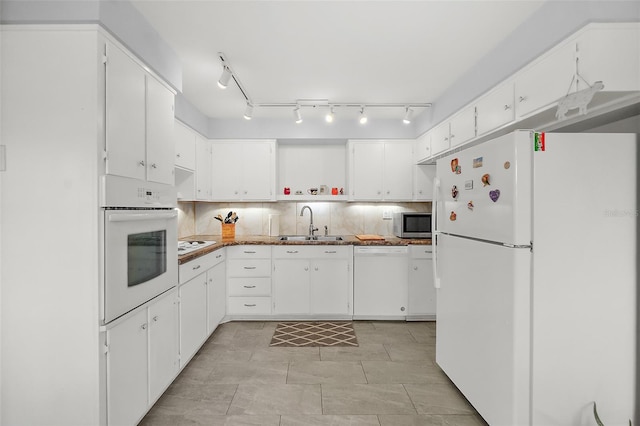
470	205
485	179
455	167
507	164
494	195
454	192
477	162
453	216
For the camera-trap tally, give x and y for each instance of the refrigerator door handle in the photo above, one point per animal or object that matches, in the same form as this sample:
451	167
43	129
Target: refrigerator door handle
434	227
434	259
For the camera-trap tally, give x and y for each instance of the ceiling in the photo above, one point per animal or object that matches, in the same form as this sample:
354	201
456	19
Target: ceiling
361	52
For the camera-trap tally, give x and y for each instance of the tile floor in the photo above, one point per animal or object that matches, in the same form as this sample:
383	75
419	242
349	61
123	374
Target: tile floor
391	379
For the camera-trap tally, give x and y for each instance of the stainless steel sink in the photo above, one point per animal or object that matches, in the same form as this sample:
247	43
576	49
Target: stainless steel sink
307	238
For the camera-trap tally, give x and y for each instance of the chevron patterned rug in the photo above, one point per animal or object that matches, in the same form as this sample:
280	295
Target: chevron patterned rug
314	334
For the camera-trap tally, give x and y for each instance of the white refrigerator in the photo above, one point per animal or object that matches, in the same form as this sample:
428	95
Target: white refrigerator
535	266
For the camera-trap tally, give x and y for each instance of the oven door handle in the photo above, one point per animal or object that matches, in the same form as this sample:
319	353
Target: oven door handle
131	217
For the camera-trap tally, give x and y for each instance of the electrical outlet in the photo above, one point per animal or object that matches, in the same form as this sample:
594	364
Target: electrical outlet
386	215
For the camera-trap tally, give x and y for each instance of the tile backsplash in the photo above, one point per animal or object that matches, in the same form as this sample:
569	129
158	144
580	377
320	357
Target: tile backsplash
341	218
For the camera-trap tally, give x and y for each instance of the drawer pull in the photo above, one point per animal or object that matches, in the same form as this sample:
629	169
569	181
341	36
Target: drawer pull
249	286
250	305
292	251
196	267
249	267
330	251
249	252
218	256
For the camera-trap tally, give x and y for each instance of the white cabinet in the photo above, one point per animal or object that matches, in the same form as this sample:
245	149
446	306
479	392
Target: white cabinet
611	54
495	109
139	121
422	294
202	300
163	344
313	280
422	148
440	138
185	139
216	294
544	82
423	176
203	169
249	281
381	170
462	127
244	170
193	317
142	359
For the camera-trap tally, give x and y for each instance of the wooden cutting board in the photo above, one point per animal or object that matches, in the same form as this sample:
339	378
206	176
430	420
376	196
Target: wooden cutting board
369	237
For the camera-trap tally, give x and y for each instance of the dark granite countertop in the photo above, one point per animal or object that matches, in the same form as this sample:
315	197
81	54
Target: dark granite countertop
266	240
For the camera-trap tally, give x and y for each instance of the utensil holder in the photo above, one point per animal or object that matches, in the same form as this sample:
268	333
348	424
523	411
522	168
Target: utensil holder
228	231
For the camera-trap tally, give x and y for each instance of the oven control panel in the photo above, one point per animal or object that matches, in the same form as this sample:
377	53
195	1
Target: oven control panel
118	191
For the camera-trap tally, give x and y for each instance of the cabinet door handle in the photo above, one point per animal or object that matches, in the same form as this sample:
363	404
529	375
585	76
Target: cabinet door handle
330	251
249	267
178	155
141	163
144	326
250	305
155	319
415	268
507	107
306	268
522	98
249	286
153	166
316	268
452	136
196	267
218	256
292	251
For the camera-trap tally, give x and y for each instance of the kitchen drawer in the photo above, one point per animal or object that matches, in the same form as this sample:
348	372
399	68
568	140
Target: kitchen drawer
249	252
420	251
311	252
331	252
249	286
249	267
249	306
188	270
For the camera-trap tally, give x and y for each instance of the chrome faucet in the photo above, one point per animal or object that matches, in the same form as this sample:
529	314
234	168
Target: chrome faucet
312	229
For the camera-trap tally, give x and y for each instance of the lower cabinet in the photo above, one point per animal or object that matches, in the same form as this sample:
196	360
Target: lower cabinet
142	359
422	293
312	280
202	301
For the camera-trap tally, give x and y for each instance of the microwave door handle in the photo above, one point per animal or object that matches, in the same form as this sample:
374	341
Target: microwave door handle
136	217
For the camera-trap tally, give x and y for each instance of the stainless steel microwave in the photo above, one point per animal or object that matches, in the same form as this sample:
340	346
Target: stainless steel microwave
412	225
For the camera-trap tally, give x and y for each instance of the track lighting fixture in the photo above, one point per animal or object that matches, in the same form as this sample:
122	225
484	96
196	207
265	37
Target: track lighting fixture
329	117
248	112
407	116
223	82
227	74
363	118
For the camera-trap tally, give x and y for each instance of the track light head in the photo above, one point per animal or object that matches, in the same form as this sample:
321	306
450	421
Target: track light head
329	117
223	82
248	112
407	116
297	115
363	118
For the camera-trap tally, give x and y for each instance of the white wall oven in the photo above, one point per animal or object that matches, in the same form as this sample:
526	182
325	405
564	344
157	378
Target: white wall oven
139	259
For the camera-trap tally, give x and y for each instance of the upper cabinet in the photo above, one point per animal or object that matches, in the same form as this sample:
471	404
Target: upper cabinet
611	54
496	109
139	121
243	170
185	140
545	81
381	170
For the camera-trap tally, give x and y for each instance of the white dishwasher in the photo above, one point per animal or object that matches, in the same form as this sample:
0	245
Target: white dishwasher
381	276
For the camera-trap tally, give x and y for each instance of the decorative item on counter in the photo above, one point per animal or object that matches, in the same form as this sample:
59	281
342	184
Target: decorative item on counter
274	225
507	164
341	191
287	190
313	191
229	225
334	191
477	162
298	192
455	167
494	195
324	189
454	192
453	216
485	179
470	205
